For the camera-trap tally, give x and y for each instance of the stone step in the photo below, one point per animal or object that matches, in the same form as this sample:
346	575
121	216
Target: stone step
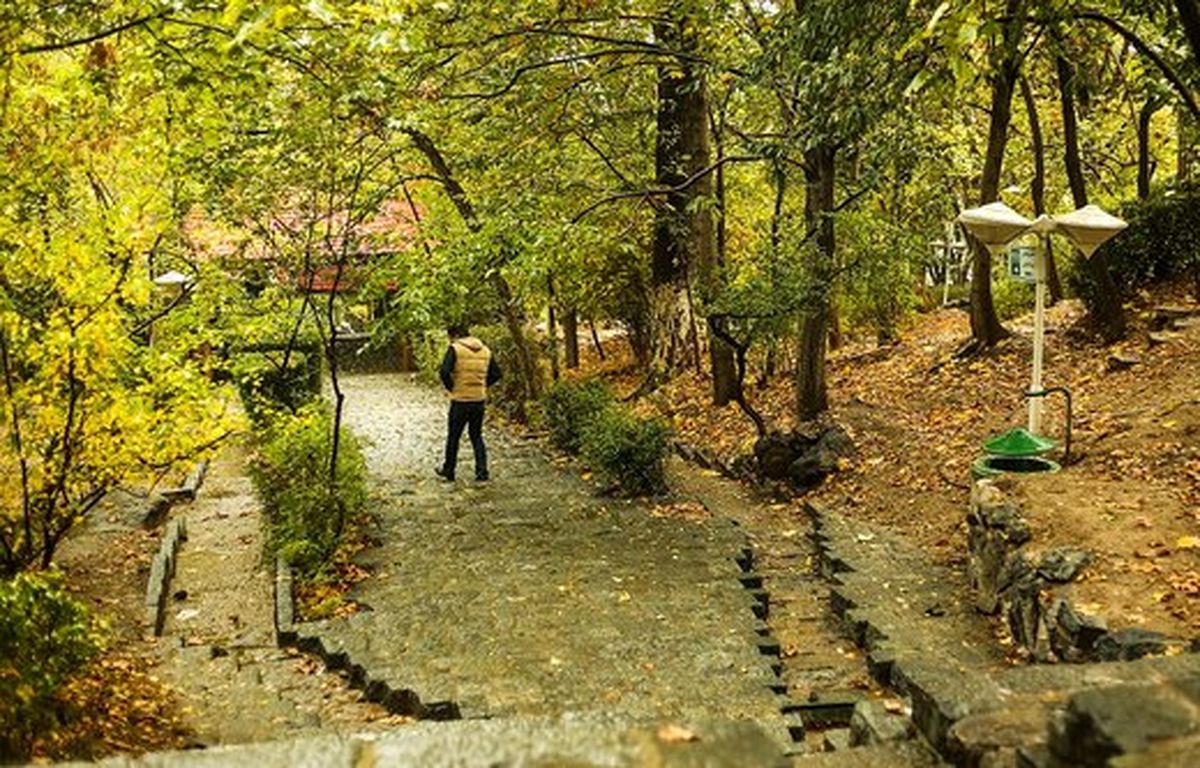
908	754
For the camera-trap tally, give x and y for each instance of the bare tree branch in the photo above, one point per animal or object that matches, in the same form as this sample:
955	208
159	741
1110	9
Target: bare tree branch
65	44
650	193
1143	48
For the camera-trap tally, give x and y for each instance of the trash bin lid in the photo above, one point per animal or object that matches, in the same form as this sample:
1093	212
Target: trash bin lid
1018	442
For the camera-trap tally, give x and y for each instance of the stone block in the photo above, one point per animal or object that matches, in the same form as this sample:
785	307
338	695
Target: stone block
995	532
1062	564
1128	644
157	581
872	723
1103	723
1001	733
1173	753
156	511
1022	602
835	739
195	478
1075	634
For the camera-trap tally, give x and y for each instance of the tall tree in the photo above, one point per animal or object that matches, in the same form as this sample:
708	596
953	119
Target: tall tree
1037	187
1005	60
1105	309
833	85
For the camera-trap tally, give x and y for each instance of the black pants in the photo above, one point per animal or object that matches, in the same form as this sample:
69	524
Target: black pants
469	415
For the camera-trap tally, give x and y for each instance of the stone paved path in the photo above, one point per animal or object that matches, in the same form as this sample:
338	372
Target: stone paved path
218	647
530	596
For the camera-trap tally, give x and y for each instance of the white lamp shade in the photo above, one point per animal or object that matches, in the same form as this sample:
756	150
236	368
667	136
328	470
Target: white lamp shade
995	224
1090	227
172	278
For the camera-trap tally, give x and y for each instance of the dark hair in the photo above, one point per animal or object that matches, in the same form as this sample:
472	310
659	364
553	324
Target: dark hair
458	330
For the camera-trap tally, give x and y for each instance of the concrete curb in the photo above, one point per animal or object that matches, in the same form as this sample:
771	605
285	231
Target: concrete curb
285	605
161	502
162	569
935	706
191	484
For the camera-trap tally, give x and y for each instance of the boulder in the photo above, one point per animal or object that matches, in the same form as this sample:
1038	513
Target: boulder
1121	362
805	456
812	466
1063	564
1075	634
1129	644
775	454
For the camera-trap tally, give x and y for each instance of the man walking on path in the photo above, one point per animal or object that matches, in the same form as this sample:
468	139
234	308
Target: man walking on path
468	369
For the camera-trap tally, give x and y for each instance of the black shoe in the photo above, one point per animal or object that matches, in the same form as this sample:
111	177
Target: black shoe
481	478
442	473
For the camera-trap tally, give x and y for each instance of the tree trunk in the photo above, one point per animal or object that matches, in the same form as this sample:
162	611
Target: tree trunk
1066	90
571	337
684	229
811	395
1189	16
1185	135
727	383
1145	168
1037	188
668	268
986	329
596	340
514	320
1105	305
552	327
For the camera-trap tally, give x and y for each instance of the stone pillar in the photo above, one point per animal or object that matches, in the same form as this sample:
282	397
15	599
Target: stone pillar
995	530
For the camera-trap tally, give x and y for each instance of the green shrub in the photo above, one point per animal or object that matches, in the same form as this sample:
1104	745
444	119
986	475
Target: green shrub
570	406
1011	297
268	388
885	263
1162	242
627	449
46	637
304	517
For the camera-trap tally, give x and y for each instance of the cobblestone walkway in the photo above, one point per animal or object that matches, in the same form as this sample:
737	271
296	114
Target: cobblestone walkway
531	596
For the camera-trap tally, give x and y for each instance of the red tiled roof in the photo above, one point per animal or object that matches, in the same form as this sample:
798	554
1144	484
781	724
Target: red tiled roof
393	229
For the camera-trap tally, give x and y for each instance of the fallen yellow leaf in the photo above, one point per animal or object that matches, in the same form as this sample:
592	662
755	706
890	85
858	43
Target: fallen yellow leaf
673	734
1187	542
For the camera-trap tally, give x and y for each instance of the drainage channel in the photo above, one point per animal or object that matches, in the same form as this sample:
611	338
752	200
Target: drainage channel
768	644
819	674
804	719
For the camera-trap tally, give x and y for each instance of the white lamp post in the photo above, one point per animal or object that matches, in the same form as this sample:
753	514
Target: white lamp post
172	279
996	225
1043	226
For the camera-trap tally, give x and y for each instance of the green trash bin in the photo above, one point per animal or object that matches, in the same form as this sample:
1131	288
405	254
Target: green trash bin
1018	451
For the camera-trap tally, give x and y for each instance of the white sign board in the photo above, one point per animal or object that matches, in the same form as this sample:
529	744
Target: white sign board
1021	260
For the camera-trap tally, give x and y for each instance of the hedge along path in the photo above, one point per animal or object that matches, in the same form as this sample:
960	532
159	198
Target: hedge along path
218	646
530	595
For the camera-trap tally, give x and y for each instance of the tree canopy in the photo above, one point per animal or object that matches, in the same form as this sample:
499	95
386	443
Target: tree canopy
730	183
